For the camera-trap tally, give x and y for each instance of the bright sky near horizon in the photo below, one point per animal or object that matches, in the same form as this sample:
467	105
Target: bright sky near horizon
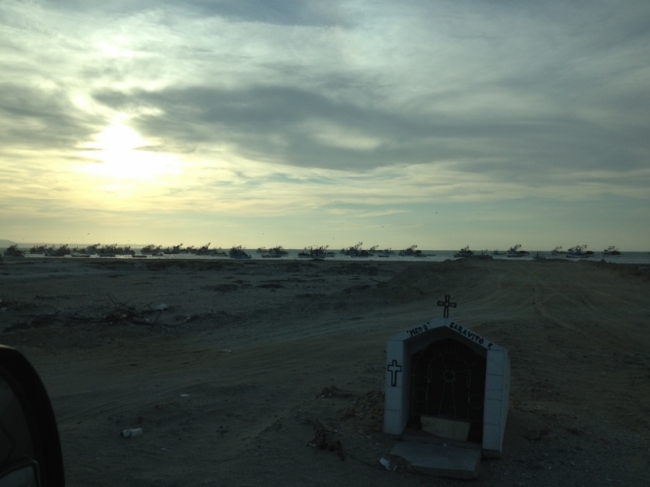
289	122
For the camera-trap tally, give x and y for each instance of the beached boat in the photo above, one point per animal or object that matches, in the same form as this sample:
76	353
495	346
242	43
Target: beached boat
204	250
464	252
411	252
172	250
579	252
274	253
14	251
151	249
238	253
515	252
357	251
316	253
611	250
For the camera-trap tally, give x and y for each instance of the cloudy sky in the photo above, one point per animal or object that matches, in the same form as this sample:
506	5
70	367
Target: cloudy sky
288	122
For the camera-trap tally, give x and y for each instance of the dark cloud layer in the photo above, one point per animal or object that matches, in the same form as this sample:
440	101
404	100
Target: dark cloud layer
36	119
278	12
280	124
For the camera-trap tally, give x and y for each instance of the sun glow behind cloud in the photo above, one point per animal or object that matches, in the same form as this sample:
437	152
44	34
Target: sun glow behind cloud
122	154
281	111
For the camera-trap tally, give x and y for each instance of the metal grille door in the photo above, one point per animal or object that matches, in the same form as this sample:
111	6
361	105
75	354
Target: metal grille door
448	381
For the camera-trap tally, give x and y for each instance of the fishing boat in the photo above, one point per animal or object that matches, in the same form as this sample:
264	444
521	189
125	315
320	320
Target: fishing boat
411	252
515	252
316	253
464	252
274	253
611	250
579	252
357	251
14	251
238	253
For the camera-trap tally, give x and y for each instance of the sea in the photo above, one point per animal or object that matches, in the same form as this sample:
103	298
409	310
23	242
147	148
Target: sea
641	258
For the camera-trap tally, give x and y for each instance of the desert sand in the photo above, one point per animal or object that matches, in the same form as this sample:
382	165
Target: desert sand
231	368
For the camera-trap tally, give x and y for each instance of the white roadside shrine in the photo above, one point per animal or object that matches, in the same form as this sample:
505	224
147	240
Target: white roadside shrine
448	384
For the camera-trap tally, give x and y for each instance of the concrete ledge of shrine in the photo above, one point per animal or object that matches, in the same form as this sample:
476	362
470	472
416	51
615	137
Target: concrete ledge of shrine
440	460
412	435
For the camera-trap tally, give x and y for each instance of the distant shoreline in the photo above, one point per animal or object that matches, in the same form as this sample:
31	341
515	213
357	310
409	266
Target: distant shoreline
626	257
204	262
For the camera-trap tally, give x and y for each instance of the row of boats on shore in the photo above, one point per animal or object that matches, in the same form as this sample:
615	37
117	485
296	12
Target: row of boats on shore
357	251
575	252
323	252
581	252
236	252
312	252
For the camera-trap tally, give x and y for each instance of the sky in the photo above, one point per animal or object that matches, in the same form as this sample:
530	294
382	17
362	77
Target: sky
441	124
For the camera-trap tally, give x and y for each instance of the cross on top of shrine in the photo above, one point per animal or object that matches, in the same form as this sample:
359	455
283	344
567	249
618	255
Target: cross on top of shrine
447	304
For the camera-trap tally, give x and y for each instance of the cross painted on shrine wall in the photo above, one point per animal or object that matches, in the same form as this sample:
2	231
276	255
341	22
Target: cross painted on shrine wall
447	304
394	368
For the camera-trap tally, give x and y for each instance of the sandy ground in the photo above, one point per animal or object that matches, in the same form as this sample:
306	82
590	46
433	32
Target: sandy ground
231	367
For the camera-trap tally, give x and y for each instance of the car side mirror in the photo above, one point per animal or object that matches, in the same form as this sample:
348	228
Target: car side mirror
30	451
